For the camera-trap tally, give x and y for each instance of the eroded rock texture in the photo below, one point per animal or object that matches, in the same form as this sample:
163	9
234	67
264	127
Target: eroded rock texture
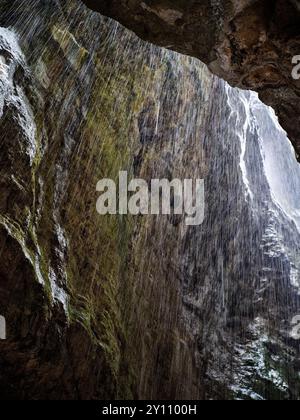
249	43
138	307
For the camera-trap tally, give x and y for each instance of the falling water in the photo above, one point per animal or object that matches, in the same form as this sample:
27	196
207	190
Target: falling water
195	312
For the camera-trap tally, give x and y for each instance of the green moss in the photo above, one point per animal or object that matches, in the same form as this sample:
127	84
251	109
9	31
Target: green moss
111	143
99	281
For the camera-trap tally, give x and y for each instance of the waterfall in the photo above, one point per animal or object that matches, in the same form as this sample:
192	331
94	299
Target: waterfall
281	167
139	307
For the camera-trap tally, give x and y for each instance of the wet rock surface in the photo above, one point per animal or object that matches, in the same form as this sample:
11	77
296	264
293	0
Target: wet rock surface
249	43
138	307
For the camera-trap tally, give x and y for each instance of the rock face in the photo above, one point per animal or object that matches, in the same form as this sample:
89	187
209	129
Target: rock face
249	43
138	307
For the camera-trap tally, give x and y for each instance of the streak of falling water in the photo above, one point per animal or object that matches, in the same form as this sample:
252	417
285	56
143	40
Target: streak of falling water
240	117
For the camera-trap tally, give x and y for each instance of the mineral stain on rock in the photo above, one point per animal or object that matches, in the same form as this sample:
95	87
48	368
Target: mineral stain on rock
139	307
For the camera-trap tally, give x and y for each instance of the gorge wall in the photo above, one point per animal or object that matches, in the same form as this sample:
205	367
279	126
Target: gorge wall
138	307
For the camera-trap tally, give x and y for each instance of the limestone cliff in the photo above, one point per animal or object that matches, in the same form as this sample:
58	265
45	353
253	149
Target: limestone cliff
137	307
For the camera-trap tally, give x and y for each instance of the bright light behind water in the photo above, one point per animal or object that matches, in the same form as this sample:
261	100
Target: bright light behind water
281	167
